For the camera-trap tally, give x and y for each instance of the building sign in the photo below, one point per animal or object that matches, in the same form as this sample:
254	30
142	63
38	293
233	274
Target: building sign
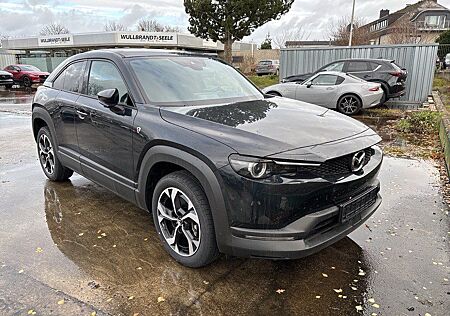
154	38
55	40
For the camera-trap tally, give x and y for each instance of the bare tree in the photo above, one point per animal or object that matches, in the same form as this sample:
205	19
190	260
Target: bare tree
154	26
340	32
294	34
404	31
111	26
54	29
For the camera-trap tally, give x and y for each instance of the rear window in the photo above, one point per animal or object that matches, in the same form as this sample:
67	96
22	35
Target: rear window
357	66
265	62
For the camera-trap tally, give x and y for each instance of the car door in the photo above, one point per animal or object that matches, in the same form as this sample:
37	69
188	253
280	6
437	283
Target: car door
360	69
105	133
63	111
320	89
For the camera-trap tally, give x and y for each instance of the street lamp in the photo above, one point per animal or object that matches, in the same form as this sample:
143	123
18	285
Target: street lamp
351	24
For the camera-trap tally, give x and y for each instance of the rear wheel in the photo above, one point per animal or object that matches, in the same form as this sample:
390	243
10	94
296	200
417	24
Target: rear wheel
384	98
183	220
50	163
349	104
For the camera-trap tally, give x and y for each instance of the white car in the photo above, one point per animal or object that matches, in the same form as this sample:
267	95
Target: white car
335	90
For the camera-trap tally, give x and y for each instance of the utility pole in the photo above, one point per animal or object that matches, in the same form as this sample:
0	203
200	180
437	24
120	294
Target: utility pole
351	24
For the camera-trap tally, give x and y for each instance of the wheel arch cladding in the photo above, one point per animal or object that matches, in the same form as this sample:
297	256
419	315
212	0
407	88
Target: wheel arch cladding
41	118
176	159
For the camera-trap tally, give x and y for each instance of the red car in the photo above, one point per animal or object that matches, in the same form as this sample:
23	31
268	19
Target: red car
27	75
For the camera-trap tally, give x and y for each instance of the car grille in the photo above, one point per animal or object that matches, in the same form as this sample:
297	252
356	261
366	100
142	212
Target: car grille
4	77
335	167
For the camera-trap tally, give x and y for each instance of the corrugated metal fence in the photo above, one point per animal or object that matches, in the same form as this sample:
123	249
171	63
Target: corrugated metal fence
7	59
419	60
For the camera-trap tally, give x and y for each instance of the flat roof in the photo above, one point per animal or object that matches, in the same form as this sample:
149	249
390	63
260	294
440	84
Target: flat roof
118	39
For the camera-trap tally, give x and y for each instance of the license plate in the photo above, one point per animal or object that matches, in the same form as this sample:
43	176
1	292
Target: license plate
358	204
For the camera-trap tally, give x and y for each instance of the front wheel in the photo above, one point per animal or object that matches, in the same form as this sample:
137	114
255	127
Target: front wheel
50	163
183	220
26	81
349	105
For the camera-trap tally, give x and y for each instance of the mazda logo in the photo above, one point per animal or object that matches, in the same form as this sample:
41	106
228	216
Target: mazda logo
358	161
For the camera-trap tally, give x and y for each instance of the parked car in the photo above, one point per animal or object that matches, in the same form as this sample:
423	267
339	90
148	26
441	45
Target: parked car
27	75
268	67
447	61
335	90
386	72
6	79
220	166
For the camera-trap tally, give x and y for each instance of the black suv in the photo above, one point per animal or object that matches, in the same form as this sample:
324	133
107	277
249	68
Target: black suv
391	76
220	166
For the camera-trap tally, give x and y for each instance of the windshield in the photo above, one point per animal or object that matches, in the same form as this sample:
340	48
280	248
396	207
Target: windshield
187	80
28	68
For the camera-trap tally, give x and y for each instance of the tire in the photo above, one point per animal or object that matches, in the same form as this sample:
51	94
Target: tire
171	227
349	104
50	163
274	93
384	98
26	81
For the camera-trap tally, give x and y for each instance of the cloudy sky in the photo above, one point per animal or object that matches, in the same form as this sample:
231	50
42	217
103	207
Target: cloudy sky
26	17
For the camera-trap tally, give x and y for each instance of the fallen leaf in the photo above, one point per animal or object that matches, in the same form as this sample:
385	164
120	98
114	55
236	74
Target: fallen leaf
135	314
39	250
333	268
376	305
325	275
359	308
139	268
353	288
21	271
279	291
161	299
130	297
114	246
371	300
80	234
31	311
344	296
145	239
427	314
93	313
338	290
61	302
317	296
103	234
374	314
205	282
109	299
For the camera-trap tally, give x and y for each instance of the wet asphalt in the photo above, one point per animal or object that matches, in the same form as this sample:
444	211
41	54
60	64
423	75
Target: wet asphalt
74	248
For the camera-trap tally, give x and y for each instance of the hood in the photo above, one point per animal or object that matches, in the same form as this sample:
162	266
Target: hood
4	73
266	127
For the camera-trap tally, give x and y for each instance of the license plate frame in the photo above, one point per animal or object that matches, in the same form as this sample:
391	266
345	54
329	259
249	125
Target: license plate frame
358	204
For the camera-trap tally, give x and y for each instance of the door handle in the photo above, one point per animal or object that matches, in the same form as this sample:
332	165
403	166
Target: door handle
330	88
81	114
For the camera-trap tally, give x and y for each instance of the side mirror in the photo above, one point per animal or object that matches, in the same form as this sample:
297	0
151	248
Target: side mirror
109	97
309	85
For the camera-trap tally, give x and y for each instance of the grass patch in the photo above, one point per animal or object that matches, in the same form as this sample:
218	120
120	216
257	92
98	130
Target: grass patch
264	81
423	122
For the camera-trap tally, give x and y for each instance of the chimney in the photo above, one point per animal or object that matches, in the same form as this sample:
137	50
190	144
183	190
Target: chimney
384	13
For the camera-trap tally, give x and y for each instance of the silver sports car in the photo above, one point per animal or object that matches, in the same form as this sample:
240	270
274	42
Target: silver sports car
335	90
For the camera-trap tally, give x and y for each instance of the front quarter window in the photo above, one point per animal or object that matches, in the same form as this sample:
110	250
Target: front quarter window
186	80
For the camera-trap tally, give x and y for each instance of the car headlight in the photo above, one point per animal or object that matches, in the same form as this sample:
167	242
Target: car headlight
258	168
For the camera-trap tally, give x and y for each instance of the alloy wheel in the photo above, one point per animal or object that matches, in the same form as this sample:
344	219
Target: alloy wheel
349	105
46	154
179	222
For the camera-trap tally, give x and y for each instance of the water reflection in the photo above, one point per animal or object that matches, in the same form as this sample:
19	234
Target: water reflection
116	245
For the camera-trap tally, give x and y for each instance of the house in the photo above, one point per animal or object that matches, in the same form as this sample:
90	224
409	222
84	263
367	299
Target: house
421	22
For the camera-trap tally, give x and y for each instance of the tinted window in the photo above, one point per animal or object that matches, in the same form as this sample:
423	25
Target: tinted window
357	66
58	83
339	66
73	76
325	80
104	75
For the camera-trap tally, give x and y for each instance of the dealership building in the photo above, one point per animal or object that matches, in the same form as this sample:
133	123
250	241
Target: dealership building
46	52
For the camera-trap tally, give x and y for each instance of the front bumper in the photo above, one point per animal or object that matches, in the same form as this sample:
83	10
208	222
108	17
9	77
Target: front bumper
288	243
293	219
4	82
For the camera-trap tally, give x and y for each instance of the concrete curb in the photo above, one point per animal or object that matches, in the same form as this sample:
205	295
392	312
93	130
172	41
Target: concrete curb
444	129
